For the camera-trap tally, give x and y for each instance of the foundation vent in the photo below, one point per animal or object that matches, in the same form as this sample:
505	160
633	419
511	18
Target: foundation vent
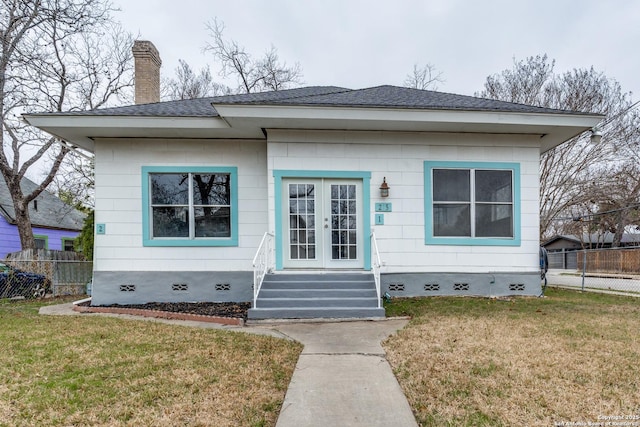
432	287
127	288
180	287
396	287
460	286
516	287
223	286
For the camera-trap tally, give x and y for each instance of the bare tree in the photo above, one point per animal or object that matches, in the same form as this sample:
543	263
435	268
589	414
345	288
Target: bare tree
75	181
57	55
252	75
619	201
425	78
571	173
188	85
524	83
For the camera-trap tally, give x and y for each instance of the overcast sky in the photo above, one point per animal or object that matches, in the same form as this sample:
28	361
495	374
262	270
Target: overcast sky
364	43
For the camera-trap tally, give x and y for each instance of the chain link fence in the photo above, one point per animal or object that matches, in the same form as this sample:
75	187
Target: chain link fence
38	278
614	270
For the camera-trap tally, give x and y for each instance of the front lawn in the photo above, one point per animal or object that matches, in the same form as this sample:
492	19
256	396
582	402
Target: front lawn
86	370
567	358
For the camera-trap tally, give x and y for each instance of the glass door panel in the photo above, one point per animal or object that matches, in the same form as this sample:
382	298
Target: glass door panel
301	226
322	222
344	224
302	231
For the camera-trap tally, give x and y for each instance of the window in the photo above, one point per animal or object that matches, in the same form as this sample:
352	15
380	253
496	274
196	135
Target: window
42	241
189	206
67	244
472	203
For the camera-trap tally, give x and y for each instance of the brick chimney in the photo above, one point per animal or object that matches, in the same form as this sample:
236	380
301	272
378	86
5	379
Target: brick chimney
147	72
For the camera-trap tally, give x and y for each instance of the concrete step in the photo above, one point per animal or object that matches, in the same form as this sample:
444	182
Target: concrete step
317	293
315	313
316	302
319	277
313	284
314	295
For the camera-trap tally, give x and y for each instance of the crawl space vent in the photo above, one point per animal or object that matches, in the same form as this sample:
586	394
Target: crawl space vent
180	287
223	287
431	287
516	286
396	287
127	288
460	286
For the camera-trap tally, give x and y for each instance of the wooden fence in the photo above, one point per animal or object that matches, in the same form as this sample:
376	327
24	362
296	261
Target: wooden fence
613	261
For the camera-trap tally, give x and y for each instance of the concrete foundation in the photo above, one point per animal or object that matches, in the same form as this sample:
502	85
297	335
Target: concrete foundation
140	287
461	284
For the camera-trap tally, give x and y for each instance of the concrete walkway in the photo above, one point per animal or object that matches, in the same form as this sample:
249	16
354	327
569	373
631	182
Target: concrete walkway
341	379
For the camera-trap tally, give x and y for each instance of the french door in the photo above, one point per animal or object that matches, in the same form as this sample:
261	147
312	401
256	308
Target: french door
322	223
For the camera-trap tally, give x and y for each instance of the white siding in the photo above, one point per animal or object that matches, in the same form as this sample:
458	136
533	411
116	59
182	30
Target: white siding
397	156
119	203
400	158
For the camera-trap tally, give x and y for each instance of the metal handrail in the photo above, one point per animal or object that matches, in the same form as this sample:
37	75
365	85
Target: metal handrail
377	264
262	264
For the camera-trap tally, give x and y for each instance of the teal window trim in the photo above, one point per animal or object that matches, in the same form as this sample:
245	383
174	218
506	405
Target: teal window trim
148	240
278	175
43	237
67	239
430	239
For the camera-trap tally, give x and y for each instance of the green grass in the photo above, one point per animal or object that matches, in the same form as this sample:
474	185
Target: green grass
89	370
567	357
558	300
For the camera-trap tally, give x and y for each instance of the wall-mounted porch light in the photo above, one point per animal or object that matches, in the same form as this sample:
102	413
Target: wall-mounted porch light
384	188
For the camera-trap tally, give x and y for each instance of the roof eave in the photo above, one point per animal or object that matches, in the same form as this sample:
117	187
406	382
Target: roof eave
247	121
82	130
4	214
553	128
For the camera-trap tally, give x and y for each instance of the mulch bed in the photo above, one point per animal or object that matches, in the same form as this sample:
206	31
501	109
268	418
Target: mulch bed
229	313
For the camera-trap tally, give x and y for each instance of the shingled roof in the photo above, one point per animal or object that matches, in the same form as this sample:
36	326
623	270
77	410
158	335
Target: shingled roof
397	97
202	107
51	212
325	96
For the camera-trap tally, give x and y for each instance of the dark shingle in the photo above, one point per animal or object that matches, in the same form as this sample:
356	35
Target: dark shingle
201	107
331	96
51	213
402	97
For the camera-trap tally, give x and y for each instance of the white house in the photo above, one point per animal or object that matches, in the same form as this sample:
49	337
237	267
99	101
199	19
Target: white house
186	191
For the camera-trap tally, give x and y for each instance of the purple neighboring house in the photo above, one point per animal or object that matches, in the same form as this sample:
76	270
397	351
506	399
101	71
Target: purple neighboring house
55	223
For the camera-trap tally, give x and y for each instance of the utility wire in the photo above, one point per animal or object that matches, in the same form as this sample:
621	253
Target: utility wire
581	217
608	120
